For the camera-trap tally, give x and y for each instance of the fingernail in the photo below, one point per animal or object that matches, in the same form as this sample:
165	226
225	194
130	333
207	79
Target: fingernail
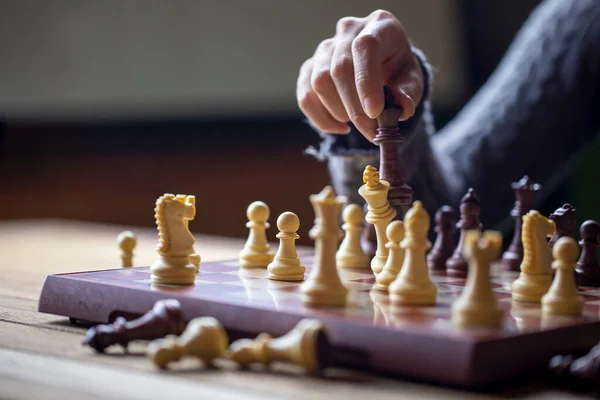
371	108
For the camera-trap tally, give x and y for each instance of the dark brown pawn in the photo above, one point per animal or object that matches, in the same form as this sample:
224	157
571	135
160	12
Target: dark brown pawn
565	219
165	318
388	139
587	271
443	247
525	193
470	210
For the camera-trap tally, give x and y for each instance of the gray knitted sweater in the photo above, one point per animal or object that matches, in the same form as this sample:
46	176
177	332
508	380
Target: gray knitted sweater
535	113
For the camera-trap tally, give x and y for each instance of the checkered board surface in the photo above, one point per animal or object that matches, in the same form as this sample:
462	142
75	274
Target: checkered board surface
246	300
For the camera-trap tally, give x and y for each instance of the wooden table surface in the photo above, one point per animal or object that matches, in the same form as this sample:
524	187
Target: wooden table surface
41	356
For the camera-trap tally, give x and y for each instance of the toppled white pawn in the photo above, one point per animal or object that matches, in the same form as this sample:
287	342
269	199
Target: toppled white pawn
395	234
477	306
256	251
126	241
562	297
286	266
350	253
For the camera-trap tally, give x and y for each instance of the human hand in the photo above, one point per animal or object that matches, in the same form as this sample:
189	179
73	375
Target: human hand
343	81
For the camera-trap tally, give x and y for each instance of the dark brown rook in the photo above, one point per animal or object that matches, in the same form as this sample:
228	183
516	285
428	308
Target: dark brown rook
565	219
443	247
470	210
165	318
587	270
525	196
388	139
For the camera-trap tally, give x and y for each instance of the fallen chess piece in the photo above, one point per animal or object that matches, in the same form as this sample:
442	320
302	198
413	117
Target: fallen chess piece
204	338
305	345
126	241
581	373
163	319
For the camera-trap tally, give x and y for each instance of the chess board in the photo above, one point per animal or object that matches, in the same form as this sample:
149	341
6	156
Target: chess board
416	342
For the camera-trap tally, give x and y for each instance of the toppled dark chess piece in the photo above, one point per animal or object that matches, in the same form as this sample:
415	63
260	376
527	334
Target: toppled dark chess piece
163	319
588	269
470	209
581	373
525	191
565	219
443	247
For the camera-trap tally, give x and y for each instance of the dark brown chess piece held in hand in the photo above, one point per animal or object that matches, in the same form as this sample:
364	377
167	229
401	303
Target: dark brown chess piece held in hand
165	318
443	247
587	271
565	219
525	190
388	139
470	210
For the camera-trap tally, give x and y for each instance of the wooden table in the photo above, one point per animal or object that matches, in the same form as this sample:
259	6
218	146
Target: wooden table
41	356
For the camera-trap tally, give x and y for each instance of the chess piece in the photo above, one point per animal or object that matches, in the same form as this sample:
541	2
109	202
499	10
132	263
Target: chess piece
525	191
388	139
565	219
582	373
324	286
194	257
413	285
203	338
536	274
443	247
563	297
126	241
176	242
470	209
165	318
350	253
477	306
256	251
286	266
375	192
395	234
588	270
302	346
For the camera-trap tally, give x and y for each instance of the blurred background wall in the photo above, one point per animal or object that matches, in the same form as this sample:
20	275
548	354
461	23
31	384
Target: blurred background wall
106	105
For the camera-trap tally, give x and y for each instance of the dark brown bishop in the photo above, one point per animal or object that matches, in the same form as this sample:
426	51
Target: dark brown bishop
470	210
565	219
587	270
525	190
165	318
445	219
388	139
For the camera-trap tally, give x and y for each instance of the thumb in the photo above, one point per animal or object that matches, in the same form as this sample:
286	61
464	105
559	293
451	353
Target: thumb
407	86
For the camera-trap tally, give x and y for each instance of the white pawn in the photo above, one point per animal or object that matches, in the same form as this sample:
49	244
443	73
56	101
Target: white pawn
413	285
126	241
350	253
395	234
477	306
256	251
286	266
562	297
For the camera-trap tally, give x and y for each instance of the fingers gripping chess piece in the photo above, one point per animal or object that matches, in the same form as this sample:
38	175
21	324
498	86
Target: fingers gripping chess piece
477	306
176	242
470	209
413	285
256	251
395	234
536	273
126	241
350	253
563	298
286	266
305	345
565	219
443	247
165	318
324	286
525	191
380	214
204	338
588	270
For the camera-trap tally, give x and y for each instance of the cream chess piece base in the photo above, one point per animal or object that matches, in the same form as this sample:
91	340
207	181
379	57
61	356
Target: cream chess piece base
286	266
